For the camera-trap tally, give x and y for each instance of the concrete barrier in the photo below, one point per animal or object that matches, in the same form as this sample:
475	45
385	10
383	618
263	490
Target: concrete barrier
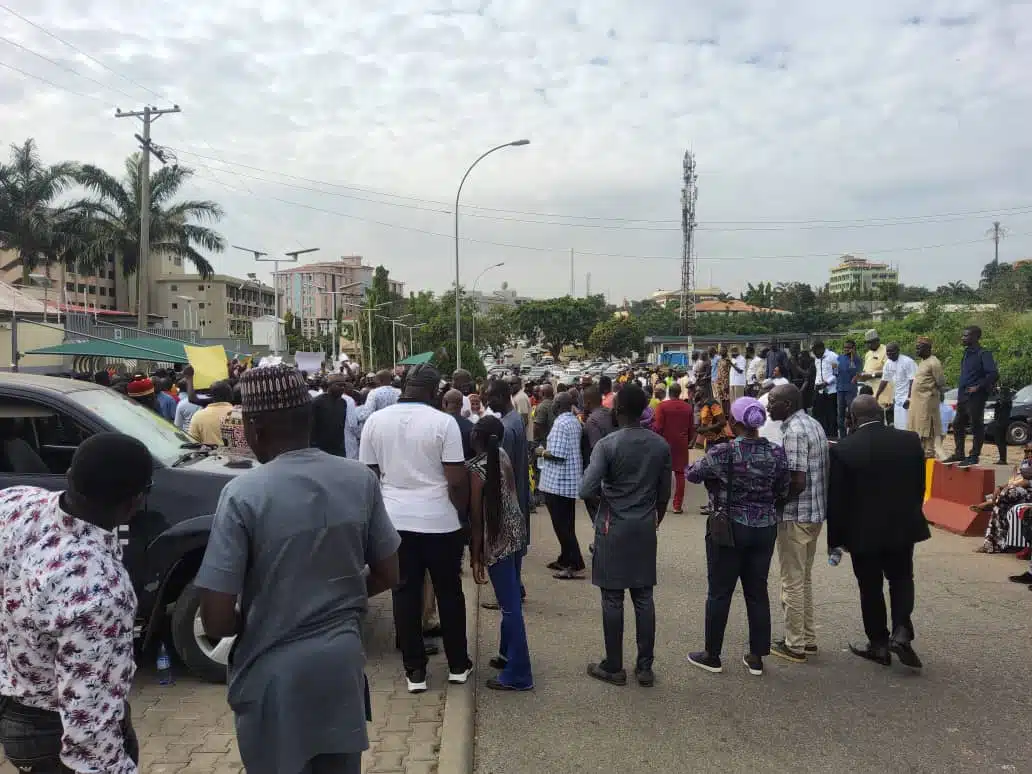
953	491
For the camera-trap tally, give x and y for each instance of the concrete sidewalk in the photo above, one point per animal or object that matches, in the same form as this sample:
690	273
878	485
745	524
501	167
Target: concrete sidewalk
968	712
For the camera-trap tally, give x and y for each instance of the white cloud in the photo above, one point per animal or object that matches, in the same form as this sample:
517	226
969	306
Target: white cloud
796	112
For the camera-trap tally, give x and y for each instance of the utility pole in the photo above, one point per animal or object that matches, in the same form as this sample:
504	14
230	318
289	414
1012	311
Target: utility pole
587	285
689	195
573	285
997	232
148	116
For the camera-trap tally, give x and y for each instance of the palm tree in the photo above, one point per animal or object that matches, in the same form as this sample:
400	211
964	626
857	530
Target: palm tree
30	220
176	228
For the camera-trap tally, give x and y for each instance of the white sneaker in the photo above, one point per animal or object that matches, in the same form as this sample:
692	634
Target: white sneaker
459	678
415	684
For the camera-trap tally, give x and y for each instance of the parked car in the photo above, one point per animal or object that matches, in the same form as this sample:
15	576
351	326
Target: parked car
163	545
1019	426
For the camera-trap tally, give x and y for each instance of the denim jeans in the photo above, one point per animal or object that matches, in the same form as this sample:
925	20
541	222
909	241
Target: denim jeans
749	561
845	400
32	737
513	646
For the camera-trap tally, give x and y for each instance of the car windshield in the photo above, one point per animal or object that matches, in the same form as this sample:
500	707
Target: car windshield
1024	395
127	416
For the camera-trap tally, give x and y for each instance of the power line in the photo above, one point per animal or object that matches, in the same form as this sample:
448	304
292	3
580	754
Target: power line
51	83
78	50
564	250
710	227
64	67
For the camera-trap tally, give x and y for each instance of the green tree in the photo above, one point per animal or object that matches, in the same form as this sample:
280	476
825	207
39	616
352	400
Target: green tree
762	295
556	322
657	320
617	337
32	224
794	297
177	228
956	291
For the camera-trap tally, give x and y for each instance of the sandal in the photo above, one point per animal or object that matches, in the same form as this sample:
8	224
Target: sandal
497	685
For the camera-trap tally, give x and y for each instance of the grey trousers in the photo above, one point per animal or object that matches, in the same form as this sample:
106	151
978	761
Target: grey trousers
340	763
613	627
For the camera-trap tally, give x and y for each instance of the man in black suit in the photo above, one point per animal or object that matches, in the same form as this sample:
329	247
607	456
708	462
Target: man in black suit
875	497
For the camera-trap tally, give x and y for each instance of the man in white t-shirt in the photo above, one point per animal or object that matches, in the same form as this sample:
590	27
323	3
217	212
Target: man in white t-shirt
417	452
738	375
900	370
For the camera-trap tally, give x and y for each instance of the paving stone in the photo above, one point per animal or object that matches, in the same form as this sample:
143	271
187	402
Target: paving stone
187	727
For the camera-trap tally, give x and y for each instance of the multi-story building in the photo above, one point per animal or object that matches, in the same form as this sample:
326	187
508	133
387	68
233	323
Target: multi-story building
313	292
664	297
220	307
858	275
56	284
505	297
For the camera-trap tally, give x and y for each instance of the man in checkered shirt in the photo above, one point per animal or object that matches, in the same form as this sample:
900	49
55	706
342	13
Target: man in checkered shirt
561	470
808	458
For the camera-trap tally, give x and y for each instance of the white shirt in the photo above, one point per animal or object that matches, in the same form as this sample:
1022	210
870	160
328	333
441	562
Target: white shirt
825	367
738	379
409	443
757	370
771	429
901	373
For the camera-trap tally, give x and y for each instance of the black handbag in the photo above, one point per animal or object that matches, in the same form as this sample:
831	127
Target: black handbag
718	523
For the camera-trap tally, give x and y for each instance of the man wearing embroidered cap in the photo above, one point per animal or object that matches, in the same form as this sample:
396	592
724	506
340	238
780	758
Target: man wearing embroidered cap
874	360
291	540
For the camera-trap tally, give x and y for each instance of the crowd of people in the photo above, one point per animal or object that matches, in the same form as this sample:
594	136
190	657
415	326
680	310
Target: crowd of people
433	470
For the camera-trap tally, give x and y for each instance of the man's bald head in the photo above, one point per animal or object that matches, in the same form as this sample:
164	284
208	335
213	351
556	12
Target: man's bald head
865	408
452	401
547	391
784	400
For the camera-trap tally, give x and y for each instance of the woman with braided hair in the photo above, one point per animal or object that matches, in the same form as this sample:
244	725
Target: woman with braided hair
499	535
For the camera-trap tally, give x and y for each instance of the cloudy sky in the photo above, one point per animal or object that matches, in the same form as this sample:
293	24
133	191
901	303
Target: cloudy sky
893	129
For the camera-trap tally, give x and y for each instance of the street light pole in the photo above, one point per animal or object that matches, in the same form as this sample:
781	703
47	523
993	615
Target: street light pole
458	300
473	293
262	257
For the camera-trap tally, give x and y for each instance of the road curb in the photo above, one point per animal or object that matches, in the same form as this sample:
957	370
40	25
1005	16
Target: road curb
457	731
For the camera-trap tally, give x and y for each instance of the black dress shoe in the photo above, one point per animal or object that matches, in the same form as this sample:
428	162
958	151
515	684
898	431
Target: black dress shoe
906	655
879	654
1025	577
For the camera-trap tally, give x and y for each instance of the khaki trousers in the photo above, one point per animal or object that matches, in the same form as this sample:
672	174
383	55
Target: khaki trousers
933	448
797	548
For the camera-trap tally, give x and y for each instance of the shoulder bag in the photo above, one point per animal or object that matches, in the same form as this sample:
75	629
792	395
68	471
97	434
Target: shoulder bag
718	524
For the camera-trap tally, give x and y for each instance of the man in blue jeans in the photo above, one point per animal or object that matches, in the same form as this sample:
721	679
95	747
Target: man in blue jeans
849	365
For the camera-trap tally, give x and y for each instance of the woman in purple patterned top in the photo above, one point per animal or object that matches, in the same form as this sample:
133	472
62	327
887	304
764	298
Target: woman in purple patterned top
759	481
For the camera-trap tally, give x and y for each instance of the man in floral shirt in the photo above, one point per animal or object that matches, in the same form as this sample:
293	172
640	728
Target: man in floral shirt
66	626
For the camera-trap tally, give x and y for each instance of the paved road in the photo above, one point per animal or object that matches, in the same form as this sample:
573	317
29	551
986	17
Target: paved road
968	712
187	728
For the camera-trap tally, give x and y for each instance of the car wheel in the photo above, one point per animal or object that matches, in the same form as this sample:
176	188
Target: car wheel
206	658
1018	433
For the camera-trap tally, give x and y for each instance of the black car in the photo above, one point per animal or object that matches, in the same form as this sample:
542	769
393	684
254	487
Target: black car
1019	425
43	419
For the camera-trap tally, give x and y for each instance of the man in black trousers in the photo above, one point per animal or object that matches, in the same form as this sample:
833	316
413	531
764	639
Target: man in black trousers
875	496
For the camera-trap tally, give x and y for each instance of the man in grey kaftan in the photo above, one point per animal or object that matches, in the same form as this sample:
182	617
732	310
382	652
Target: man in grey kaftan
630	470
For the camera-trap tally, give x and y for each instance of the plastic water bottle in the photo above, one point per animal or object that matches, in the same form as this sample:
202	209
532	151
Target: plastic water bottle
164	666
834	557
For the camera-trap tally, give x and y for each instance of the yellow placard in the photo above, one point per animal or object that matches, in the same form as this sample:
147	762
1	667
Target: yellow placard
209	364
